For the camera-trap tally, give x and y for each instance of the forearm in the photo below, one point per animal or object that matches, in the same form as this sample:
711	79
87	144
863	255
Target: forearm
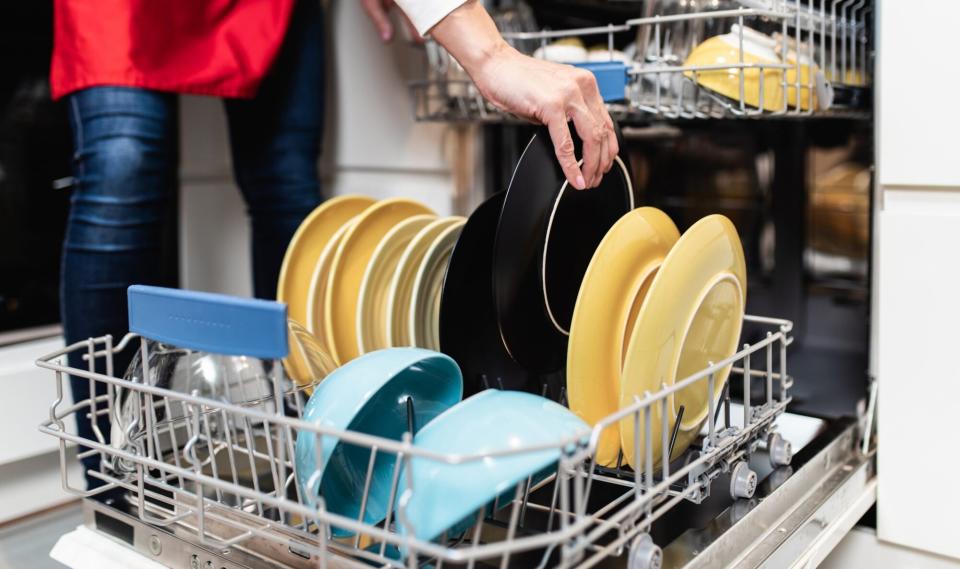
471	37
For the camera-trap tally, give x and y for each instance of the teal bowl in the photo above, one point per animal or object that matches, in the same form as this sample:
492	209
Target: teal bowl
369	395
447	497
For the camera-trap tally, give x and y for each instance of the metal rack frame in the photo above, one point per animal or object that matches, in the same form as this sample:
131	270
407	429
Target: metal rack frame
833	34
173	478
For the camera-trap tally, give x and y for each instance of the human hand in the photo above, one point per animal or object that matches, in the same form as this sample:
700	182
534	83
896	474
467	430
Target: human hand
379	13
554	94
538	90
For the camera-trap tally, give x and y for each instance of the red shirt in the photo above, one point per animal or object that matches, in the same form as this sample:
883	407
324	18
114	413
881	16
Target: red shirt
208	47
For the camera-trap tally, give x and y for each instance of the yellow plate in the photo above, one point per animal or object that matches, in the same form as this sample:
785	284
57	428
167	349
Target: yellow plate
349	264
372	306
611	293
316	313
400	295
691	316
298	263
424	322
725	48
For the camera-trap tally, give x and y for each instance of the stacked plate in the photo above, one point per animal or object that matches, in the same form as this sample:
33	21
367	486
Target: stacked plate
655	307
362	275
512	283
574	295
578	296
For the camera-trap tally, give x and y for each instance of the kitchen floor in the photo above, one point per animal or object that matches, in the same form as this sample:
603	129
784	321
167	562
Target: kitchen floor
27	543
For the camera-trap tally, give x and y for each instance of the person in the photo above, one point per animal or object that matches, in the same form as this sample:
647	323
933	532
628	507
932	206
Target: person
119	65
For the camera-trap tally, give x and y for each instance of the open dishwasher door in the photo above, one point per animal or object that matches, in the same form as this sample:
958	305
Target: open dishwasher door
799	512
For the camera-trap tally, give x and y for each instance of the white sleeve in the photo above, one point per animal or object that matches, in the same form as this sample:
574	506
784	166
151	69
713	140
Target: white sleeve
426	13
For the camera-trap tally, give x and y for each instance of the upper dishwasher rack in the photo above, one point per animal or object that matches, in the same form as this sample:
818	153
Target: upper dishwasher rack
824	51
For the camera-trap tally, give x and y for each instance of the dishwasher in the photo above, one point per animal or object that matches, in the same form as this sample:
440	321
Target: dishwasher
781	470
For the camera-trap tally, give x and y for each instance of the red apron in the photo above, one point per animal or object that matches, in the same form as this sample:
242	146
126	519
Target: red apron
208	47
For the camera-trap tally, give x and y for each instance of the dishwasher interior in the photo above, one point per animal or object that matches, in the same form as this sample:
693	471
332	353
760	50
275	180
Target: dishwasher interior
786	461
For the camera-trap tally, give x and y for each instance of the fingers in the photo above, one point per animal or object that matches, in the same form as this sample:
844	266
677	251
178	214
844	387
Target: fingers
377	12
563	147
593	126
613	147
586	125
614	144
610	145
605	159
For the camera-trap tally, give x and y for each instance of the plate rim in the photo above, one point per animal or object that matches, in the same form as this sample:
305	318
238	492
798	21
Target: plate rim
546	239
332	293
446	240
293	363
365	283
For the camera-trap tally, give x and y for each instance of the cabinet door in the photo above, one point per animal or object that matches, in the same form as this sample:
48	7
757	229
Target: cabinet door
27	392
915	91
918	371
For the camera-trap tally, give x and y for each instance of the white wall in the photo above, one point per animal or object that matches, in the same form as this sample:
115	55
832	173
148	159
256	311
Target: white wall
917	305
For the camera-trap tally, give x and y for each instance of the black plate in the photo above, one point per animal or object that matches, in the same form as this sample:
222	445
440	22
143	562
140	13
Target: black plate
468	325
531	273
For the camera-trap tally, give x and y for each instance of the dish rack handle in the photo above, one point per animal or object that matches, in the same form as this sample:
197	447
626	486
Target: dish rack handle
209	322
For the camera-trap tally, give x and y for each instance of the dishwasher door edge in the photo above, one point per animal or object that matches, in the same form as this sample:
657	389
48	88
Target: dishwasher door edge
799	523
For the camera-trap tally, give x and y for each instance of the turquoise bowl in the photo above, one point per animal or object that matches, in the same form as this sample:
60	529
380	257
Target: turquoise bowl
369	395
447	497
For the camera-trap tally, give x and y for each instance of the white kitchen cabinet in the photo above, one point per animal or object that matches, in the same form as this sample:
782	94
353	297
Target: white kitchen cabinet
917	229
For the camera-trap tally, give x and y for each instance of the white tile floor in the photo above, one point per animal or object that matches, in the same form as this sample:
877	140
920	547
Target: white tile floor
26	544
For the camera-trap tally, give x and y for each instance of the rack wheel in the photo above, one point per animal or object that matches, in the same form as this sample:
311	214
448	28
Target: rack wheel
644	554
779	449
743	481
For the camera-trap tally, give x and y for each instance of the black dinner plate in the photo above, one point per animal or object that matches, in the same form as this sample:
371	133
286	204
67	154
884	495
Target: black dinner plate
468	326
538	264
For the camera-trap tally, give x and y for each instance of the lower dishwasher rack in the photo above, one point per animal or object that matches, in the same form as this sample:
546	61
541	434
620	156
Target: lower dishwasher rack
732	499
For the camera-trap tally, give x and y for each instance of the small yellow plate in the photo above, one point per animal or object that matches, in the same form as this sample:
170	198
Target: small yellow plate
349	264
400	295
372	306
424	323
691	317
616	281
316	313
301	256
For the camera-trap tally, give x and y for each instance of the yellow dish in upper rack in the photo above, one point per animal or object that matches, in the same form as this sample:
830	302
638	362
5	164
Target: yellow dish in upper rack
725	50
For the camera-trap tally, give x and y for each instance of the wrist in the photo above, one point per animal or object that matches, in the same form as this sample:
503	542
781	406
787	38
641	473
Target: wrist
471	37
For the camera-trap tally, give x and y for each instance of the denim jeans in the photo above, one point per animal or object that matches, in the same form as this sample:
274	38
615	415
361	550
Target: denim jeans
125	174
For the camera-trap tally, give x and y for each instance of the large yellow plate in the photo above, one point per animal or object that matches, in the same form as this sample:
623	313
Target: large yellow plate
316	312
613	288
400	295
349	264
691	316
372	306
424	323
301	256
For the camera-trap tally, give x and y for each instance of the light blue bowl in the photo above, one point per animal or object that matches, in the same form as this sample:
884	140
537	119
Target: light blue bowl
448	496
369	395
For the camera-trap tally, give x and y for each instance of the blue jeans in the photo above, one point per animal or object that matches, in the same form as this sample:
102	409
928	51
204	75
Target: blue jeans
125	174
